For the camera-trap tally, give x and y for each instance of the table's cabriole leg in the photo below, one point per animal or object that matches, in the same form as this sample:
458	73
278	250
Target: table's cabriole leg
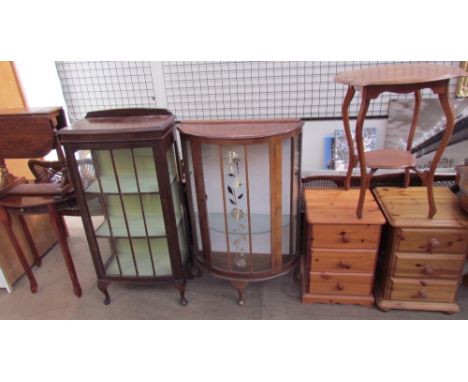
29	239
449	115
360	148
62	239
414	124
349	137
5	219
430	195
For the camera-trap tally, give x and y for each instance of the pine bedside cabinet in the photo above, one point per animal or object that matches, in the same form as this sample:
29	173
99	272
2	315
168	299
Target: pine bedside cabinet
341	249
422	258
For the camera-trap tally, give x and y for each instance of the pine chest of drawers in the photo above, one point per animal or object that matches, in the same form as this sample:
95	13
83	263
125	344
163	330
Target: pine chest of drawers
422	258
341	249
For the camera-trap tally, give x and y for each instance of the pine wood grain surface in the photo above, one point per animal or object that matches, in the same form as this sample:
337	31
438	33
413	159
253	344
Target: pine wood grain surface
407	207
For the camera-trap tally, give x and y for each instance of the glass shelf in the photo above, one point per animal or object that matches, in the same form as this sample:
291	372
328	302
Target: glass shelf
137	210
128	185
155	226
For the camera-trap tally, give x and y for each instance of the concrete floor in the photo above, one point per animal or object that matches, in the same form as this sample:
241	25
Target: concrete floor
209	298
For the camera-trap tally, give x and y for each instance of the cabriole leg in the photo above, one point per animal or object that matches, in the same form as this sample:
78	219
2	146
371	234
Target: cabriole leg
430	195
239	286
102	286
180	286
6	221
360	147
29	239
349	137
62	239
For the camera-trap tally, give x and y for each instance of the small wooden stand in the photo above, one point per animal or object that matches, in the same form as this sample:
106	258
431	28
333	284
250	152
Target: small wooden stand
400	79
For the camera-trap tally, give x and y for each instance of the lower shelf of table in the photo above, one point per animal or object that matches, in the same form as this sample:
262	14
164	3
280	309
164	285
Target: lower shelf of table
390	159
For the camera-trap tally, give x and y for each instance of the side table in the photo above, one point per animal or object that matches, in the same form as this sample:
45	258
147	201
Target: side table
402	79
22	204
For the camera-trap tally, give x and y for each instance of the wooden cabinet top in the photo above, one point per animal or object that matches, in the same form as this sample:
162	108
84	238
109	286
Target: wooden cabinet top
338	206
30	111
240	129
399	74
407	207
118	128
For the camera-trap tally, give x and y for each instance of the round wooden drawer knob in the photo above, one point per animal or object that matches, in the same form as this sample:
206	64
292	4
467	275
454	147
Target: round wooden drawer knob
339	286
433	243
344	237
344	265
428	270
422	294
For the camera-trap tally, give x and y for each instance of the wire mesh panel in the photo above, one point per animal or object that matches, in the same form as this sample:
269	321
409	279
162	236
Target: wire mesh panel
97	85
266	89
220	89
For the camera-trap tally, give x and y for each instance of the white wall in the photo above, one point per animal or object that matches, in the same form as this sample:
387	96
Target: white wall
40	83
41	86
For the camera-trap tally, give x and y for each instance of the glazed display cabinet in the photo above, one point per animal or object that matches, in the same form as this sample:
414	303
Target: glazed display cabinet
243	183
124	168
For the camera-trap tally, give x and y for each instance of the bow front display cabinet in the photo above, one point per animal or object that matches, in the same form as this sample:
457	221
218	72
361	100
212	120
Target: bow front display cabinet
244	184
124	169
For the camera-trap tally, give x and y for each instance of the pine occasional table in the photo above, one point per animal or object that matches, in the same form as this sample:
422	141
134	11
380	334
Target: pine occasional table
401	79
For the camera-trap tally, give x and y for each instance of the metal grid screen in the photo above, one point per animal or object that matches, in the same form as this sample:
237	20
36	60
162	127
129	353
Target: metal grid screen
266	89
97	85
219	89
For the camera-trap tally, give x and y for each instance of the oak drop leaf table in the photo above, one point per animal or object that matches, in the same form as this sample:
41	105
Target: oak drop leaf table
401	79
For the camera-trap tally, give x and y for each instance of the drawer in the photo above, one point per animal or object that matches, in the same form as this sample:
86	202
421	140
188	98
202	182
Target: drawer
423	290
340	284
428	266
432	241
350	261
359	236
